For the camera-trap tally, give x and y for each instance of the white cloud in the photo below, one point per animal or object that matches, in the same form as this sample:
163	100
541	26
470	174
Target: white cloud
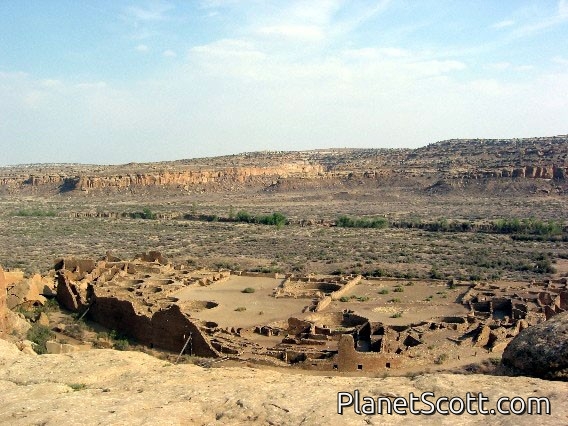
169	53
499	66
141	48
563	8
560	60
91	85
300	32
155	11
503	24
229	48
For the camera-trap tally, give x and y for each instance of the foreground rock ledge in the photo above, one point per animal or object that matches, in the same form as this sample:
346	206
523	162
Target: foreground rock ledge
111	387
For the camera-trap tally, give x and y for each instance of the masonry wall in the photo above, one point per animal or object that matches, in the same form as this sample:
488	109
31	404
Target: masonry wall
166	329
348	359
336	295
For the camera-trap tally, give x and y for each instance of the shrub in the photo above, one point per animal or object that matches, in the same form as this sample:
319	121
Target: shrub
248	290
397	315
398	290
348	222
240	309
39	334
277	219
435	274
121	344
243	216
344	299
77	386
146	213
384	291
440	359
395	300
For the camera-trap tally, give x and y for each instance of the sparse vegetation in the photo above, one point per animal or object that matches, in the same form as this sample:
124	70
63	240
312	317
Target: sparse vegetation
35	212
248	290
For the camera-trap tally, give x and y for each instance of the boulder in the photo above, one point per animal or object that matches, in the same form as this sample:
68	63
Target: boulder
541	350
59	348
24	291
43	319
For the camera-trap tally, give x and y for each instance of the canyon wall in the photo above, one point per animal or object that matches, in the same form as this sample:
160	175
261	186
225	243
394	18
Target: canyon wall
532	158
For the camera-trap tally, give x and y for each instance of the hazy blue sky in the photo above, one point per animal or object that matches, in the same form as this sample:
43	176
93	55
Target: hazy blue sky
119	81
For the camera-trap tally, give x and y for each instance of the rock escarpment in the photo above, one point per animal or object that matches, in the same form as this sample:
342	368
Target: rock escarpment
454	160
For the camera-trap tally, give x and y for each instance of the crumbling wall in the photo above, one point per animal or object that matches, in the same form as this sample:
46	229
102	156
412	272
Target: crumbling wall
167	328
80	266
68	293
322	304
336	295
171	328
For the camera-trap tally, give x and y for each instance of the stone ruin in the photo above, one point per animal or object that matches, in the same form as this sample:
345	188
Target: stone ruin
138	299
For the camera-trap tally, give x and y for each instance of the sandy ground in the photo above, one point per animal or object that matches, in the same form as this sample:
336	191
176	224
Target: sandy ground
261	307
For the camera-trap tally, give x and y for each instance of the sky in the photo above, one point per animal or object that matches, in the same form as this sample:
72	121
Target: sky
113	81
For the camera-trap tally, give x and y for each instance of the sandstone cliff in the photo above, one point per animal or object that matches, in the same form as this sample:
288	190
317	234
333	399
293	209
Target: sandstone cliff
531	158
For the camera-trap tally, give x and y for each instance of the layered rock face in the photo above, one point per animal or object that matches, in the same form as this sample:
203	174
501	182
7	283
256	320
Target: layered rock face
541	350
534	158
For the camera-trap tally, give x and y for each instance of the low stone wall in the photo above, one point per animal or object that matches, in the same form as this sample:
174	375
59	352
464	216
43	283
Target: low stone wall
346	288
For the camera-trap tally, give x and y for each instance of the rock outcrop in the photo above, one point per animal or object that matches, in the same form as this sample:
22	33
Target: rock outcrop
112	387
541	350
3	306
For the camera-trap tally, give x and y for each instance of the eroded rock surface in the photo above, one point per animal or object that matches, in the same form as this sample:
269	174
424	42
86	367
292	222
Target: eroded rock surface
111	387
541	350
